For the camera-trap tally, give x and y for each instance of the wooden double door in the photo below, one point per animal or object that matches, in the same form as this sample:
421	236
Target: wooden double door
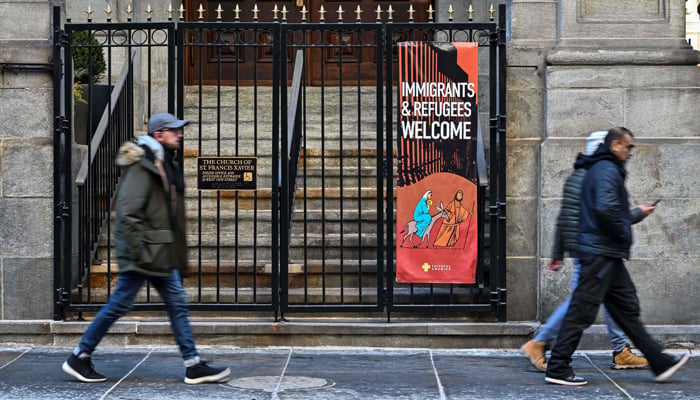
247	64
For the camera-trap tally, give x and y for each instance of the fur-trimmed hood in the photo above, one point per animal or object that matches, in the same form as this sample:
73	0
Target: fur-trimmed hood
129	154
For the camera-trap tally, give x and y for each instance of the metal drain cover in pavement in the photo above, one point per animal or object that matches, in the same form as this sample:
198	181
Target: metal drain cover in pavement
272	383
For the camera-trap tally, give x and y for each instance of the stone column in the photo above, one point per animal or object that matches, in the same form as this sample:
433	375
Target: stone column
26	161
532	33
627	63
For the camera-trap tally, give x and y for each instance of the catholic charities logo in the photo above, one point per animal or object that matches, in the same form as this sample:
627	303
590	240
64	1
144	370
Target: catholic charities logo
435	267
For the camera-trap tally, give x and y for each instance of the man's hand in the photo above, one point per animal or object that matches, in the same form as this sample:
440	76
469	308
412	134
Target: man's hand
646	209
554	265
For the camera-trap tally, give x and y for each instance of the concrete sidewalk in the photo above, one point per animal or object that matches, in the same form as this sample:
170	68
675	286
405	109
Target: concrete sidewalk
330	373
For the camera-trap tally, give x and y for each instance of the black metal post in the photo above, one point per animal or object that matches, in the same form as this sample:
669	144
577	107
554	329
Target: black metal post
502	161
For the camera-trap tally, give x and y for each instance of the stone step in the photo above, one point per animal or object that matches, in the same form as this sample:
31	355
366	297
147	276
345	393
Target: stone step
328	177
255	103
229	246
230	146
351	198
329	161
332	295
246	274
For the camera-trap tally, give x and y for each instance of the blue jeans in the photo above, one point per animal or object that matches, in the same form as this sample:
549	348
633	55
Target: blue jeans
549	331
122	300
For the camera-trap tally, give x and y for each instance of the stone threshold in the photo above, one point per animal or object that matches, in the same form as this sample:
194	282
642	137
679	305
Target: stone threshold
256	333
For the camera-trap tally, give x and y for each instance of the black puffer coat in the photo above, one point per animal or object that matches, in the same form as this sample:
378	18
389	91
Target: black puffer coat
567	221
605	224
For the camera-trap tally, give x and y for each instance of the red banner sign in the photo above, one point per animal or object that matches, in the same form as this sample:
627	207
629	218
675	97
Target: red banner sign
436	216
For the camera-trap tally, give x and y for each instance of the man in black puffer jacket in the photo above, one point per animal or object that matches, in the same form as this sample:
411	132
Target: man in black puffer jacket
604	239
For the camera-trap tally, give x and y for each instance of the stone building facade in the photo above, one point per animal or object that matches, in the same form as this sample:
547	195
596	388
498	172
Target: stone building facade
573	67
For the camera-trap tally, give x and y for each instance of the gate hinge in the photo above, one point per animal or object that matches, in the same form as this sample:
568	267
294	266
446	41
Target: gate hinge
495	36
62	210
498	297
62	125
62	296
501	210
60	38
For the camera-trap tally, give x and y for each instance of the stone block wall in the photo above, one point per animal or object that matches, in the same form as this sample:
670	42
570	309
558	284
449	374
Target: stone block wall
561	85
26	162
606	72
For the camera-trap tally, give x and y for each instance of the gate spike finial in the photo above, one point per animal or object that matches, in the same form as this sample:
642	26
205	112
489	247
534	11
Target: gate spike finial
411	11
470	11
108	11
379	13
256	10
304	11
322	11
340	13
390	11
182	12
129	12
149	11
201	11
170	11
431	11
219	11
450	11
358	11
284	13
491	12
237	13
275	11
89	13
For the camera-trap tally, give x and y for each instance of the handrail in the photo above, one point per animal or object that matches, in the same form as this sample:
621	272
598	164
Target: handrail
294	129
104	121
97	179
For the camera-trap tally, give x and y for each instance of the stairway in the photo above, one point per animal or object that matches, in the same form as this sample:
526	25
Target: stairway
333	241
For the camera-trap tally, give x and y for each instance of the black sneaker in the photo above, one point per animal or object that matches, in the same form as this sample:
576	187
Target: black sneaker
202	373
677	364
571	380
82	369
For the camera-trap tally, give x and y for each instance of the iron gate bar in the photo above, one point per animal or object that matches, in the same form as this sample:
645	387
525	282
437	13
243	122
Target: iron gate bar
61	246
501	265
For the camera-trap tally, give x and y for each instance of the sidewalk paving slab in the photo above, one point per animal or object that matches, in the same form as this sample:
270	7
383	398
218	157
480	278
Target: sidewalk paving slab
344	373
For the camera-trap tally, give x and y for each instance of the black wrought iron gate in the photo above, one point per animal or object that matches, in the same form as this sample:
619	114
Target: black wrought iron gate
317	233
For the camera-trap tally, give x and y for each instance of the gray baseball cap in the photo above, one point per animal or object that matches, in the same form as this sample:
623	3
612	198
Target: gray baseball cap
165	120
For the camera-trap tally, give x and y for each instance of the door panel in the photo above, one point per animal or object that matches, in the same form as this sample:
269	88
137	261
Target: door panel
240	64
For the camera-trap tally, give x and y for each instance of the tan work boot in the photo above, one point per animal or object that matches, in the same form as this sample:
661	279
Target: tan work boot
534	351
625	359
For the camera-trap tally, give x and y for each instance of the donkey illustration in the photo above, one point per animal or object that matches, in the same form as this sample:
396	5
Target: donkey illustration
411	229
